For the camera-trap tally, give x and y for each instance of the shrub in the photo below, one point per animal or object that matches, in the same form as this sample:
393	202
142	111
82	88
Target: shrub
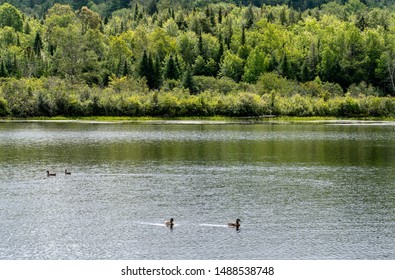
3	107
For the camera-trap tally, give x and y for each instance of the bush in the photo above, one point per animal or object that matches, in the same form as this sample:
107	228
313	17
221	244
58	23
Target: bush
349	107
3	107
124	97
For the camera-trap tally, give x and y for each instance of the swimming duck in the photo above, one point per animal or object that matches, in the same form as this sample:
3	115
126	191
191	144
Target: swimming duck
170	223
236	225
50	174
67	172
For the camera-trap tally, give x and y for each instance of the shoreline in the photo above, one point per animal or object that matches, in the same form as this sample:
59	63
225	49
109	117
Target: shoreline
206	120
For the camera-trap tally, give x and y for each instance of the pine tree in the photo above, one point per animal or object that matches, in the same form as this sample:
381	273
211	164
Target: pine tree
220	15
284	66
147	70
27	28
243	36
151	79
38	44
144	65
123	4
158	73
188	81
136	12
200	44
125	69
171	70
249	17
152	7
3	69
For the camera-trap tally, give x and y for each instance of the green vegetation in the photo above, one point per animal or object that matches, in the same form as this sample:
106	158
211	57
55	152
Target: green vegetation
164	58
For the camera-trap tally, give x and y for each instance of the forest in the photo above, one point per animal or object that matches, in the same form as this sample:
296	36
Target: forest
179	58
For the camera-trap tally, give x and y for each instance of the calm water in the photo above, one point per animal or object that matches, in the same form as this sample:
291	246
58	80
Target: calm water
316	191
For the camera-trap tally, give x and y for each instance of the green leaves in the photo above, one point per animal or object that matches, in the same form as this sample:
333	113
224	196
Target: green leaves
10	16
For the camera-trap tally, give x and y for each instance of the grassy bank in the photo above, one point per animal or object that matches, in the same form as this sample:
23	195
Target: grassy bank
205	120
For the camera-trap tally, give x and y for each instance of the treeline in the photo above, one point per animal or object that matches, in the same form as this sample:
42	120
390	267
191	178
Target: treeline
338	60
38	8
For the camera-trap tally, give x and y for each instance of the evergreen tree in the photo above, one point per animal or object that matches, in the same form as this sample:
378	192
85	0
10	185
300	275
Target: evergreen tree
27	29
157	73
144	66
171	71
3	69
152	7
125	71
123	4
249	17
200	44
151	78
148	70
38	44
243	36
188	82
284	66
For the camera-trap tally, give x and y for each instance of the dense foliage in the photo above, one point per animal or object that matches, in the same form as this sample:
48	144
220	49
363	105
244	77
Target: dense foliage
164	57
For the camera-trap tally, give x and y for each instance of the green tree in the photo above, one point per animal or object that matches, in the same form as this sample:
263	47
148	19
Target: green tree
171	70
3	107
188	81
38	44
256	64
147	70
3	69
187	46
60	15
249	16
232	66
10	16
89	19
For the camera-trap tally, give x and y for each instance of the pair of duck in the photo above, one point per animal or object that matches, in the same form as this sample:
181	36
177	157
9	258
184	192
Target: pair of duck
54	174
234	225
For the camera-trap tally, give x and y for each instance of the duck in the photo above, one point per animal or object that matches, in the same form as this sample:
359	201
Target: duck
170	223
67	172
50	174
236	225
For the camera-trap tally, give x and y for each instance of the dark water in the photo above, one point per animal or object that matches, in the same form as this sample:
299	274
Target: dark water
316	191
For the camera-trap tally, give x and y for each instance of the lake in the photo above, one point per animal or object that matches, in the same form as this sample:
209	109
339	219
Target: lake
302	191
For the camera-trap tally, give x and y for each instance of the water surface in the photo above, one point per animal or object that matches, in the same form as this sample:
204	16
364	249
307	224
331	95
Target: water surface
302	191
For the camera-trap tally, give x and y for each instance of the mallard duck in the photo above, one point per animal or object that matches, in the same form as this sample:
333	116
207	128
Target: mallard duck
67	172
50	174
236	225
169	223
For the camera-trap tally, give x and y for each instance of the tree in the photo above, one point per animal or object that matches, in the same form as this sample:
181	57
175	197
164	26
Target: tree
386	69
147	70
118	53
257	63
188	81
171	71
249	16
152	7
60	15
232	66
3	69
38	44
10	16
284	66
89	19
158	77
187	45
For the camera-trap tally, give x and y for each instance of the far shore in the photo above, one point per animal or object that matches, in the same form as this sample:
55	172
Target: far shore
206	120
